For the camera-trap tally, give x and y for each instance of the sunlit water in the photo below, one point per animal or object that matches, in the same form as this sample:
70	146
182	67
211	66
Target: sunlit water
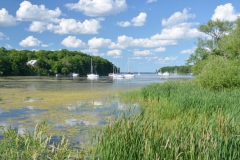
76	107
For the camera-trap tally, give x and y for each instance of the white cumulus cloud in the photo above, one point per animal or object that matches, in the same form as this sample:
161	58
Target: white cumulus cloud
73	42
30	12
142	53
45	19
71	26
30	41
167	60
171	58
98	7
136	21
124	24
6	19
180	31
188	51
148	43
151	58
124	41
37	26
225	12
177	17
160	49
139	20
98	42
47	45
67	26
115	53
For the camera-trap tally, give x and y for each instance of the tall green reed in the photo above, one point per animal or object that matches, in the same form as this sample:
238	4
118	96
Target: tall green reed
179	120
35	145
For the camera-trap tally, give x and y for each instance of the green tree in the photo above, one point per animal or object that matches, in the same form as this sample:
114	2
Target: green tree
5	64
230	44
210	46
19	62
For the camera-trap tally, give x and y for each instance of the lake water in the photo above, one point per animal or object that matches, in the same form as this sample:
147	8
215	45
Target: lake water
76	107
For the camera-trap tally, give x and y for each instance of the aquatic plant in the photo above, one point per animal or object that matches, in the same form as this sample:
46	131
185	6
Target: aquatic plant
35	145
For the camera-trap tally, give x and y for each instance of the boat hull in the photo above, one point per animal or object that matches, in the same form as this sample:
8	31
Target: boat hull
92	76
129	75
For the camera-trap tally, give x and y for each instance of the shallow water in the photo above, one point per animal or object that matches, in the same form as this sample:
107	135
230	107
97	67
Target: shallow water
73	106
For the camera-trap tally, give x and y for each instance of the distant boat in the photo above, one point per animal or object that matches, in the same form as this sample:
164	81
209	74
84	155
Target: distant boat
129	74
75	75
175	72
139	73
166	74
92	75
159	73
116	76
111	74
163	74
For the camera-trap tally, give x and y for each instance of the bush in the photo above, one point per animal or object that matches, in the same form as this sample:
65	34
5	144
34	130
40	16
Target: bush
198	67
219	73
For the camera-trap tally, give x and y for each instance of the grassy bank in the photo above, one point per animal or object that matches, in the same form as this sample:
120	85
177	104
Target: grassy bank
180	120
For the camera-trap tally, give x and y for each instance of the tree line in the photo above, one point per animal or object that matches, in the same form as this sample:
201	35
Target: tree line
185	69
14	63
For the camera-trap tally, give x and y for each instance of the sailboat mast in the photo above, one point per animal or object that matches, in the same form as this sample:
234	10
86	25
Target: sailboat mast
91	66
128	65
113	68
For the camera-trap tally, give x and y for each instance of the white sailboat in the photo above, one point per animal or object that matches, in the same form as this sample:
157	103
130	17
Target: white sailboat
163	74
160	73
117	75
175	72
75	75
111	74
166	74
129	74
92	75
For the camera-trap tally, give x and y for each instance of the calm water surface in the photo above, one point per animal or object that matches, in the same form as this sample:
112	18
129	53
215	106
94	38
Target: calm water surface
73	106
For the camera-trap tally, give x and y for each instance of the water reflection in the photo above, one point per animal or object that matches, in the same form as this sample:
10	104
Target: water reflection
71	105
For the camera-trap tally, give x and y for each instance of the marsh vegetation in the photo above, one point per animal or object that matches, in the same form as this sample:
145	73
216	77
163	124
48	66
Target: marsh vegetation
180	120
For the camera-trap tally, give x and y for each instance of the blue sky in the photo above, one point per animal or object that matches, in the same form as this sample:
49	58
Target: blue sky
149	33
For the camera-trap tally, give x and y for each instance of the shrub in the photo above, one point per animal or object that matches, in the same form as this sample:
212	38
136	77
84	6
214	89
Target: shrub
220	73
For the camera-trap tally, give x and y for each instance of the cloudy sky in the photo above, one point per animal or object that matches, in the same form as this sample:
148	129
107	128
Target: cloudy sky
148	33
